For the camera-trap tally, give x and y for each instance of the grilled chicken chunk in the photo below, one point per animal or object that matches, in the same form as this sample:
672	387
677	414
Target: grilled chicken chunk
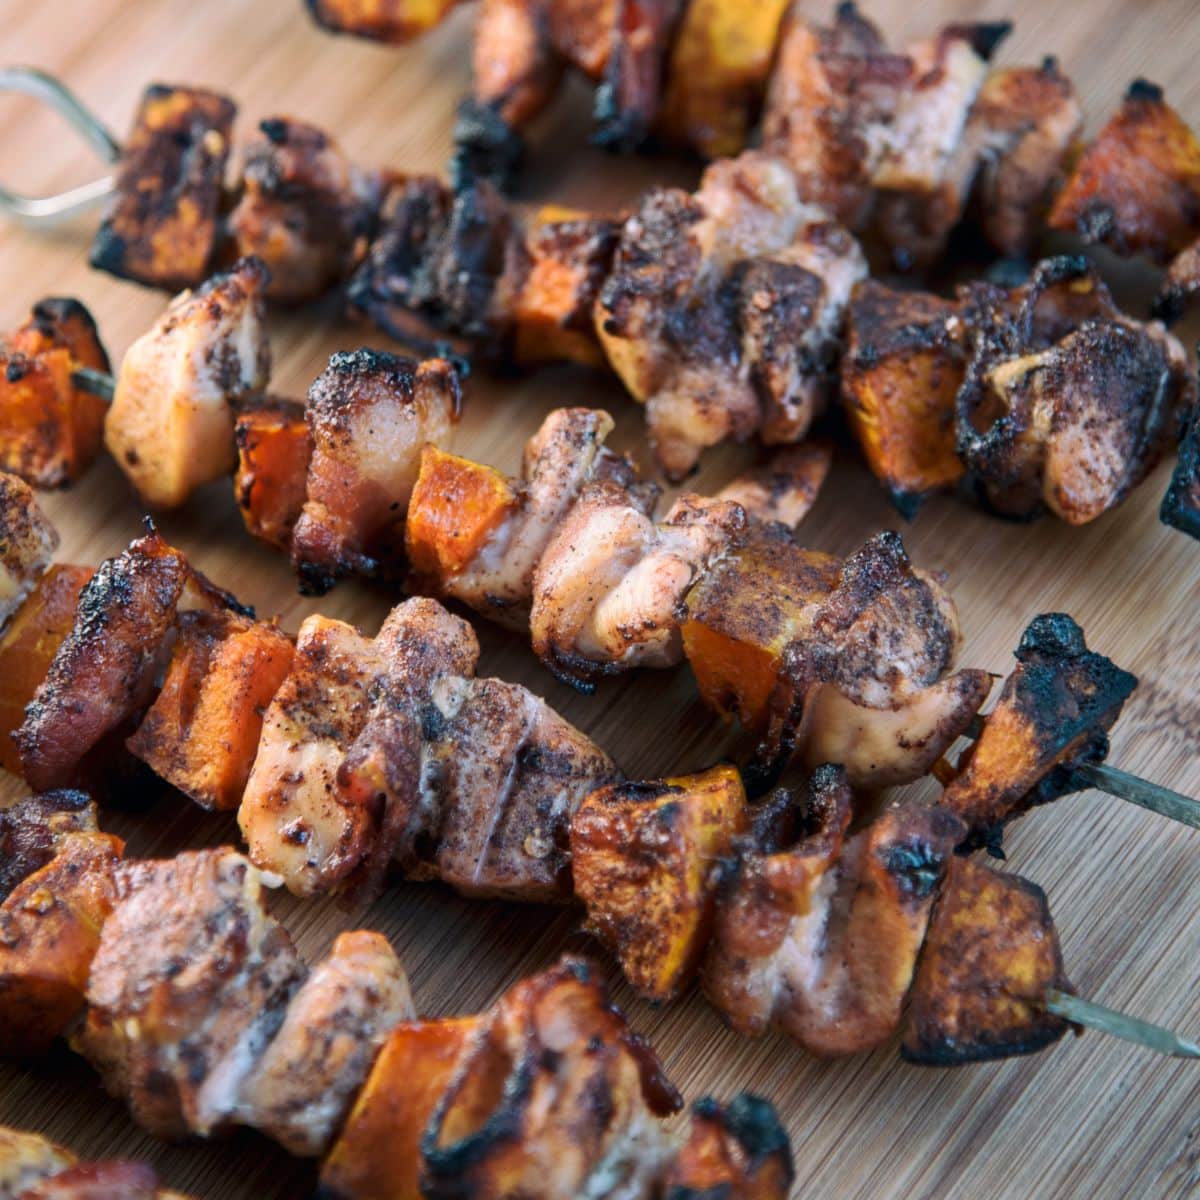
821	939
369	414
1181	504
26	1159
188	986
50	427
304	210
723	308
161	225
394	21
170	426
33	829
27	544
609	587
106	670
301	1088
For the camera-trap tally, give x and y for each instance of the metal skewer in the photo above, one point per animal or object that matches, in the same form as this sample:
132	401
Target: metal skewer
42	211
1120	1025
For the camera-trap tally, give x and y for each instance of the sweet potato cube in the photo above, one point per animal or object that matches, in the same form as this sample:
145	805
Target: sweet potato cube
202	732
900	379
274	449
49	931
378	1156
745	611
393	21
645	860
738	1151
991	954
28	646
455	506
161	224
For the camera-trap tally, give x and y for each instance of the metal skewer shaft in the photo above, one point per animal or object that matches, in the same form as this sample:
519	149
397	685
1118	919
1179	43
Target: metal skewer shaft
1120	1025
97	383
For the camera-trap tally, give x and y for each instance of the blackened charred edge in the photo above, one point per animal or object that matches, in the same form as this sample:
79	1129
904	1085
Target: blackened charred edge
314	580
52	312
365	361
617	130
754	1124
1143	89
1172	301
1054	634
948	1052
906	503
1181	502
985	36
110	252
485	147
643	790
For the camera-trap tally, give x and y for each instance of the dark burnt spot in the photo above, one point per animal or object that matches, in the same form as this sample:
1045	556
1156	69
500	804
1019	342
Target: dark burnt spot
17	368
275	130
1143	89
485	147
917	867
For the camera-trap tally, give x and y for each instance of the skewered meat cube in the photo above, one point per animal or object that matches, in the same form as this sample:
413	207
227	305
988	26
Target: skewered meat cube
1180	285
161	225
301	1088
990	956
50	927
1052	714
1136	187
105	670
201	733
393	21
99	1180
646	858
50	428
188	986
1181	504
26	1159
785	487
821	938
610	584
274	449
723	308
27	543
33	829
304	210
369	414
170	426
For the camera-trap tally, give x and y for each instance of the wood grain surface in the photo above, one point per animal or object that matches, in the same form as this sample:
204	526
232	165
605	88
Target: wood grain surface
1091	1117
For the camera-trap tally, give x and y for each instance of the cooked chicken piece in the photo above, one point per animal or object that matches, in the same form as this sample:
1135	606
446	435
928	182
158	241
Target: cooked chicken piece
49	931
1052	715
303	210
821	940
369	414
394	21
521	1116
738	1151
1075	424
609	588
106	670
991	954
717	74
785	487
187	988
161	225
1181	504
723	308
646	863
27	543
274	449
50	428
302	1086
1136	187
170	426
105	1180
508	527
1180	285
33	829
26	1159
202	731
900	376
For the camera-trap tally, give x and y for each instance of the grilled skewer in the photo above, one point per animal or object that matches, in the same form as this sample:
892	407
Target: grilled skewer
331	1062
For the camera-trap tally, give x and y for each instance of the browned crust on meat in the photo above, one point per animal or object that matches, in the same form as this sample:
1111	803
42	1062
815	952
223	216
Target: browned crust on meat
32	830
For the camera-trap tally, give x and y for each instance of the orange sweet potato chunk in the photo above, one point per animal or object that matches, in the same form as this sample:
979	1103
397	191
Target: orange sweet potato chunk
274	449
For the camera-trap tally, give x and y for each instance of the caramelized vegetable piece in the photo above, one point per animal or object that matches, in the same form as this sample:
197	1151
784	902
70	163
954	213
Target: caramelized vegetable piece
745	611
991	954
1181	504
1052	714
456	506
161	224
202	732
377	1155
27	543
735	1151
900	376
50	429
717	73
28	645
394	21
274	449
1136	187
645	858
49	933
33	829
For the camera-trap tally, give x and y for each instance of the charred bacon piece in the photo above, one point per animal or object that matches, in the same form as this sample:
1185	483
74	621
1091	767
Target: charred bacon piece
1052	714
1181	504
991	954
161	227
170	427
50	427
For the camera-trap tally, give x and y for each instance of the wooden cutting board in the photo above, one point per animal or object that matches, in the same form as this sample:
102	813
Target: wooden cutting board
1091	1117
